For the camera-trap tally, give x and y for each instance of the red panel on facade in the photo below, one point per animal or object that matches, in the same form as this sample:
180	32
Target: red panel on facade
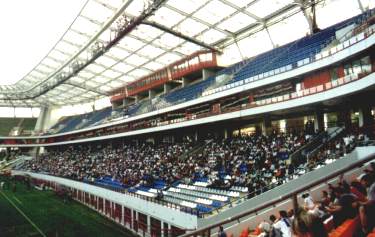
118	212
100	204
316	79
340	72
142	222
87	198
107	207
155	227
127	216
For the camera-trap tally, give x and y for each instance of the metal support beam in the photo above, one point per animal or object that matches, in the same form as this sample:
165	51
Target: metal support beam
254	27
180	35
274	18
360	5
302	4
308	9
42	88
269	36
87	88
239	50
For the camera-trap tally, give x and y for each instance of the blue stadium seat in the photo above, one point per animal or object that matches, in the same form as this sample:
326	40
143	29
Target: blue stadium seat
293	52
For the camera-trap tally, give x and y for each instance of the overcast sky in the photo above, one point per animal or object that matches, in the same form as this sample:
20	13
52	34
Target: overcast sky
29	29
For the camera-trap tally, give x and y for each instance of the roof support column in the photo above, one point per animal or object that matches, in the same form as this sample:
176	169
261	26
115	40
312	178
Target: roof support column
309	21
269	36
308	9
360	5
239	50
44	119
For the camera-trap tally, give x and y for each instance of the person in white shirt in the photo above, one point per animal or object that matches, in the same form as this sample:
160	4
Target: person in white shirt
265	228
308	202
283	224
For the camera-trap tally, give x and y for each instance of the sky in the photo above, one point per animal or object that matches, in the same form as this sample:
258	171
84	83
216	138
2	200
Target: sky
29	30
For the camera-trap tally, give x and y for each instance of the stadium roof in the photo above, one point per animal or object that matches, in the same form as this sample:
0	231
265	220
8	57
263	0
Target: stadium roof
113	42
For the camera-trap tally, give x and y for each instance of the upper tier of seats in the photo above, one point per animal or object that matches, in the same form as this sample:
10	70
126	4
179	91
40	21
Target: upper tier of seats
22	125
285	56
291	53
72	123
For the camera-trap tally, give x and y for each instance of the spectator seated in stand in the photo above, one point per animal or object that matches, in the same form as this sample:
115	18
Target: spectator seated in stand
344	204
307	224
237	161
283	224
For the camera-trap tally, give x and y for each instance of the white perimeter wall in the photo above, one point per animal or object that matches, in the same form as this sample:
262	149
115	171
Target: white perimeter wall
163	213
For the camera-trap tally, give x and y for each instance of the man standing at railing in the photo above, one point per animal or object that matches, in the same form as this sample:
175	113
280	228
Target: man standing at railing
159	195
221	232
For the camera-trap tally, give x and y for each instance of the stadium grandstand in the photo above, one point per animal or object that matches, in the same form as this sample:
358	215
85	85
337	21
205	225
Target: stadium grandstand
189	118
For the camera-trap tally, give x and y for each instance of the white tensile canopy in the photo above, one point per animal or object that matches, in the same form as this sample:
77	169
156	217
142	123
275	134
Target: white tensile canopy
238	28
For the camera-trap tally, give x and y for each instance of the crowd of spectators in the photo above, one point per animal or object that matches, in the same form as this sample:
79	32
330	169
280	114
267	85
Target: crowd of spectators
127	163
257	162
333	149
253	161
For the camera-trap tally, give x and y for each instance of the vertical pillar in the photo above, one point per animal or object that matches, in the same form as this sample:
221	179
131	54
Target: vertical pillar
319	121
162	228
185	81
45	120
196	135
43	123
365	117
295	203
343	118
266	126
122	215
225	133
361	6
136	97
136	220
104	210
113	211
151	94
366	121
148	224
167	88
170	230
131	219
96	203
126	101
228	132
207	73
